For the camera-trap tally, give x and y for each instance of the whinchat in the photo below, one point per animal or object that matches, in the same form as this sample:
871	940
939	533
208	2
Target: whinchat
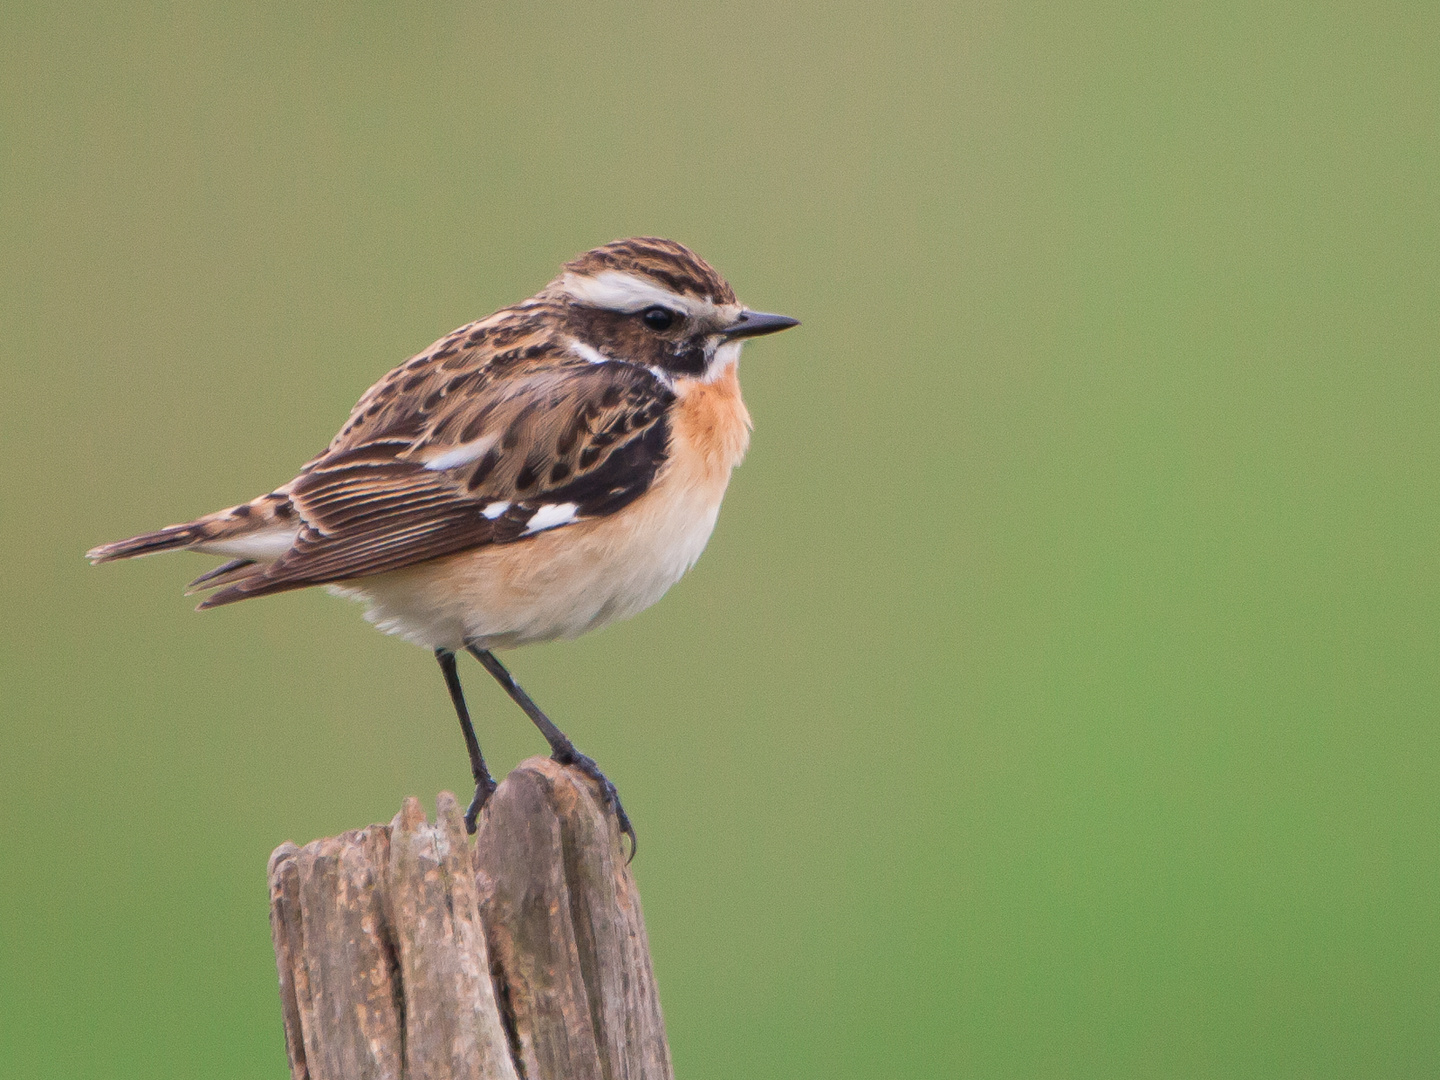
530	476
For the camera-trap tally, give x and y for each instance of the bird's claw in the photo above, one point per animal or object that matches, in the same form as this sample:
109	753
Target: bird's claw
611	797
484	788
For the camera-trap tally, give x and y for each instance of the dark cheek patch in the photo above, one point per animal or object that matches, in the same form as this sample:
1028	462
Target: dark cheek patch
689	360
625	337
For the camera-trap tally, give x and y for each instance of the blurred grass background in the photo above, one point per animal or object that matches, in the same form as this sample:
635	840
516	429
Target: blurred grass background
1058	695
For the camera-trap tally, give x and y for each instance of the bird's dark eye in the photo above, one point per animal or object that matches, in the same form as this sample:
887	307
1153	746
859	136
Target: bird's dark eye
658	318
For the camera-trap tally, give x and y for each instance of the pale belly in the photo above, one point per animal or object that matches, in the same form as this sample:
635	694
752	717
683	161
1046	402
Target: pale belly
558	584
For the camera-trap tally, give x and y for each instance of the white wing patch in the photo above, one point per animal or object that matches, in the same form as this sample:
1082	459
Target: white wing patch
462	454
551	515
495	509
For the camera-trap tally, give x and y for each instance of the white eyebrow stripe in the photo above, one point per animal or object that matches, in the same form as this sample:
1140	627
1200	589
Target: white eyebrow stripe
460	455
615	291
549	516
588	352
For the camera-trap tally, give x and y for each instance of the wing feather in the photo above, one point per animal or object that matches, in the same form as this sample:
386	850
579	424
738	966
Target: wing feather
556	430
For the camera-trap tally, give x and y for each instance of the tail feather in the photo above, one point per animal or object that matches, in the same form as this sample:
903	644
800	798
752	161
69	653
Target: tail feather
170	538
245	586
224	574
256	531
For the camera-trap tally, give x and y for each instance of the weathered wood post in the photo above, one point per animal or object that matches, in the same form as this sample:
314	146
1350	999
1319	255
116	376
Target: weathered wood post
405	955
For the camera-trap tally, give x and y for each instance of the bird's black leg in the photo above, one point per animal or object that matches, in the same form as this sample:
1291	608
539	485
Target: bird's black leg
484	782
561	748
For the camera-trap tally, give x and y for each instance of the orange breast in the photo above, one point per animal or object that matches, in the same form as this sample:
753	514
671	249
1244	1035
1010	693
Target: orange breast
711	427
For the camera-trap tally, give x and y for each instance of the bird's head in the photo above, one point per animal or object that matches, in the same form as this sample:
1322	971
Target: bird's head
655	302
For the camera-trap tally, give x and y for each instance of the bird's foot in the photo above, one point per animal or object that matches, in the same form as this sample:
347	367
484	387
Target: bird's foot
573	759
484	788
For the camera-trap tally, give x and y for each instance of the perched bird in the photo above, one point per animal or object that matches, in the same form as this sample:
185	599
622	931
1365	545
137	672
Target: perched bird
528	477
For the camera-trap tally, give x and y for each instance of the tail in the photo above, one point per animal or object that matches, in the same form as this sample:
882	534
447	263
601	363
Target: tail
257	531
170	538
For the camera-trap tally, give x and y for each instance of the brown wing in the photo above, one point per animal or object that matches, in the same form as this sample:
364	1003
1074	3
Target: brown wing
431	393
492	450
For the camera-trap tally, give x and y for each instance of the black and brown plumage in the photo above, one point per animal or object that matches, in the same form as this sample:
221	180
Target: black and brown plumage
530	476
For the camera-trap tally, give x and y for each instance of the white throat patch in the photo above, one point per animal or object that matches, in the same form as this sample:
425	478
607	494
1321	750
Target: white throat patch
725	356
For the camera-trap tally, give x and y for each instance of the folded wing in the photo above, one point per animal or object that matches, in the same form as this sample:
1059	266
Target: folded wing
467	458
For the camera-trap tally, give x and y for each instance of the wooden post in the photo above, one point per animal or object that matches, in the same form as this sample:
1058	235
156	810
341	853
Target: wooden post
405	955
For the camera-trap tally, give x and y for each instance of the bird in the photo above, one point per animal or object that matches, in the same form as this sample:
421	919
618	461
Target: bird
531	476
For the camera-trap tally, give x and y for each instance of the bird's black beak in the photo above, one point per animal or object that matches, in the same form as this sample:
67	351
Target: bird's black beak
755	323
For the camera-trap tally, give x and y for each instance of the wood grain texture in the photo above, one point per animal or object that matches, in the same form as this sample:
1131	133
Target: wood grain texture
403	953
566	932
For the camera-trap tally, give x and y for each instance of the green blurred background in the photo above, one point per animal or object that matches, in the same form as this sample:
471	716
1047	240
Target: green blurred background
1058	694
